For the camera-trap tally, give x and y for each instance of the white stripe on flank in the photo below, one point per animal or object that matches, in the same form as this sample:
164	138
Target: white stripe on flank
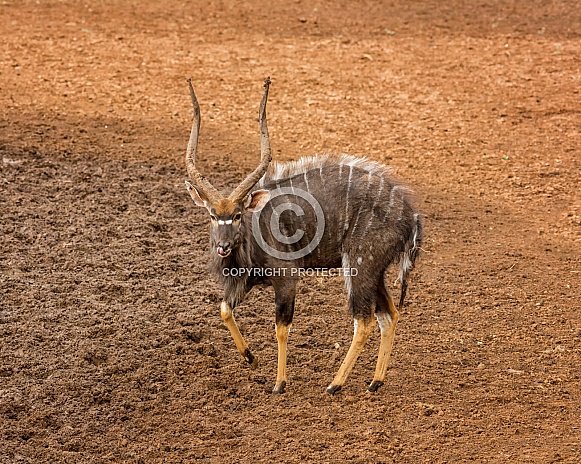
359	210
393	198
306	181
346	225
346	273
341	219
374	205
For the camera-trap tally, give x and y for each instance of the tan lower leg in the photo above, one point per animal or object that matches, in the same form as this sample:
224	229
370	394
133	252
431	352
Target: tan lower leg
387	324
363	329
228	317
282	332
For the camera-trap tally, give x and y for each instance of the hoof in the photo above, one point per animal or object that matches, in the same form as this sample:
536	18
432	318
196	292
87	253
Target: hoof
279	389
250	359
374	386
332	389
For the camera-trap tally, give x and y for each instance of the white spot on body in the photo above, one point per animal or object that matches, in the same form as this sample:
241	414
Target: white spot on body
359	260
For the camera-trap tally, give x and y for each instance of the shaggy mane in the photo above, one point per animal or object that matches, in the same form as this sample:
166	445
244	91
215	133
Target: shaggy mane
282	170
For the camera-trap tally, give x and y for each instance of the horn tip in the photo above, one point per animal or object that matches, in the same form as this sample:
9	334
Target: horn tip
190	85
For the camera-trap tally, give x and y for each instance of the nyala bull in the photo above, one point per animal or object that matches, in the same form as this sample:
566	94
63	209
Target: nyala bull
321	212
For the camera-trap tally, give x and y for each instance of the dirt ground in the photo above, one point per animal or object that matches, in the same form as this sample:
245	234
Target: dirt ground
112	348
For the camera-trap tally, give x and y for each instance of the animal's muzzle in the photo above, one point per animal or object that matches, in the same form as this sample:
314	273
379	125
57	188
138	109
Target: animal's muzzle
224	249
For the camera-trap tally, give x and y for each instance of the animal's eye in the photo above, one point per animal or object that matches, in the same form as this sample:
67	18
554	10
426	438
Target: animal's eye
213	218
237	216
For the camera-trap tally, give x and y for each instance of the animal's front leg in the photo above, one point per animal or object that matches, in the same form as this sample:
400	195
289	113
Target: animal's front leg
282	331
285	307
228	316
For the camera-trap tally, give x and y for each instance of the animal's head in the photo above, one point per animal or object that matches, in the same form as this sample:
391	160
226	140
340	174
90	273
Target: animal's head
226	212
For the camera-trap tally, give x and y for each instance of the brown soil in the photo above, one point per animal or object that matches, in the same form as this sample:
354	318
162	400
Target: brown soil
112	348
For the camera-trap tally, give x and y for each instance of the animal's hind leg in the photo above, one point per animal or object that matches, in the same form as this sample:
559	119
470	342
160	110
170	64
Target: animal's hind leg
361	304
362	329
387	316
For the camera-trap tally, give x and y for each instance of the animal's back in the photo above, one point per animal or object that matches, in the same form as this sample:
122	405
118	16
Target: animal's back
365	211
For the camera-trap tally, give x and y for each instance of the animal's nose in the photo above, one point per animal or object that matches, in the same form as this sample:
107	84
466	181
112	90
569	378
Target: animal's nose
224	248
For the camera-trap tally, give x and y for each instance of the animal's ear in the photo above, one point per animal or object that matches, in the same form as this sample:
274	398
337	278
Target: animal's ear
256	200
199	198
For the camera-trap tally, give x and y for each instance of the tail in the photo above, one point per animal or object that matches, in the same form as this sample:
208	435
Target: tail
409	256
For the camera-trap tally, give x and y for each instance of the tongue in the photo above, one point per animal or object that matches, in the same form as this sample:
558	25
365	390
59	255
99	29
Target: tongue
221	251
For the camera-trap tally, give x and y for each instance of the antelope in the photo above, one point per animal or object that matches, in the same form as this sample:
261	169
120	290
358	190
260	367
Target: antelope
368	223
